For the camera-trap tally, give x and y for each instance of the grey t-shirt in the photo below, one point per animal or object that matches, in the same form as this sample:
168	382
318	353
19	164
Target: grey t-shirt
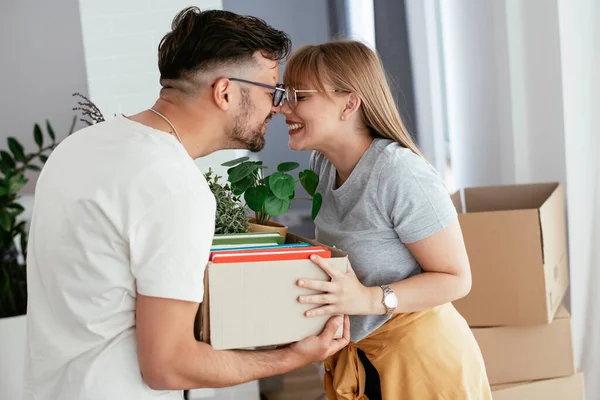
392	197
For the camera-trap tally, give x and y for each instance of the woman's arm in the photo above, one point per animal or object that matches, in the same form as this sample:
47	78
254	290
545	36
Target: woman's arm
446	277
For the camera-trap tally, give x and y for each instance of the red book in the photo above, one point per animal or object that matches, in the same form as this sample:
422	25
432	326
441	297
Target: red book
300	253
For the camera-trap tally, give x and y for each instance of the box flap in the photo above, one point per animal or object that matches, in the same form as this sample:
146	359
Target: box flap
562	313
508	197
457	201
570	387
554	227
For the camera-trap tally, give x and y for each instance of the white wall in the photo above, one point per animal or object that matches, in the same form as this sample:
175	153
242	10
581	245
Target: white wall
41	66
121	53
121	40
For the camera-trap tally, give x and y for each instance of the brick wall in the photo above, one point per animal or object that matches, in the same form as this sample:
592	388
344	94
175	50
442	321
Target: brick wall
120	43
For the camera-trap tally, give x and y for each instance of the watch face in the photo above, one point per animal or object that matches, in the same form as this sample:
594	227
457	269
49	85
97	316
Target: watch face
391	300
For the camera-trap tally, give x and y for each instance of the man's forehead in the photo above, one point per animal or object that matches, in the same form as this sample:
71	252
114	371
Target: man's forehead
268	68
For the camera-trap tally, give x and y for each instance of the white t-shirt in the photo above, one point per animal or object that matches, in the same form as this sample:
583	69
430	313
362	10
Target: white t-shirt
119	208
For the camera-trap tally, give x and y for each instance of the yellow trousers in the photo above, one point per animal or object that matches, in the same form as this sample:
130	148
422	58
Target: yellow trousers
427	355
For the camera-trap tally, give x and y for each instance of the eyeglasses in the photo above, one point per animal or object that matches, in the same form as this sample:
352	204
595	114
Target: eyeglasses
278	94
292	97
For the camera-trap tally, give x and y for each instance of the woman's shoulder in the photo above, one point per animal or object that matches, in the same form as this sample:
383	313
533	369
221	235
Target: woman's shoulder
394	157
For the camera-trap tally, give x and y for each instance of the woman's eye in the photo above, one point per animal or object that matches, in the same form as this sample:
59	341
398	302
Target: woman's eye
300	98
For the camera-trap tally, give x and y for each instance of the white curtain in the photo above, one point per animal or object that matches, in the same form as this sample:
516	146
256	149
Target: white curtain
580	48
520	92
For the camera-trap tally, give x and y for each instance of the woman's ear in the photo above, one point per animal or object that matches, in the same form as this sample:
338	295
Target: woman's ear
221	93
352	105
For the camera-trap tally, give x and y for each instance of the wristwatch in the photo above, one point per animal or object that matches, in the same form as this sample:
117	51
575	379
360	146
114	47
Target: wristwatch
390	300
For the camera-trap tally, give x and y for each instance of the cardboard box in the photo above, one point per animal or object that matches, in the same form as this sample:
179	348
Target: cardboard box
567	388
527	353
254	304
516	241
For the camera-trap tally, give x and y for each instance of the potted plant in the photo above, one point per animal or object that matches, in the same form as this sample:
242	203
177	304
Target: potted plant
270	195
13	252
231	215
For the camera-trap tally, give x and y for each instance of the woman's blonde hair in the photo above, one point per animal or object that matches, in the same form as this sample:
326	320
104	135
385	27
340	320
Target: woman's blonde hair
352	67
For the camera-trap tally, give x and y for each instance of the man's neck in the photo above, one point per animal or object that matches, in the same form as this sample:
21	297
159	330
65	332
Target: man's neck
198	134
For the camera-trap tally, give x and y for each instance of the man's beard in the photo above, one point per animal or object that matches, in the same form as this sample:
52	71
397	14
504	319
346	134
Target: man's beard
251	138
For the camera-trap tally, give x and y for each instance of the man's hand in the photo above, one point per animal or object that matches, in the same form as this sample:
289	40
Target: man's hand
318	348
171	359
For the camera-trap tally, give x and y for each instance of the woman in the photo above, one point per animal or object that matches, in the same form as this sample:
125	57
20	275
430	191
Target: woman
387	207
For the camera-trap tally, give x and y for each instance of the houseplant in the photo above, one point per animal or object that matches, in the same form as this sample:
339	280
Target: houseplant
14	162
270	195
13	236
230	216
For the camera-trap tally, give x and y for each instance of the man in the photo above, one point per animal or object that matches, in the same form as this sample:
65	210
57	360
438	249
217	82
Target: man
123	222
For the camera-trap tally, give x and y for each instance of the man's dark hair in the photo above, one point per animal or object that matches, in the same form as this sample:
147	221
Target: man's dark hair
202	40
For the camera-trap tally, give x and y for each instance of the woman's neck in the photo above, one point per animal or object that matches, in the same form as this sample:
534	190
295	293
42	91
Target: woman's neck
344	157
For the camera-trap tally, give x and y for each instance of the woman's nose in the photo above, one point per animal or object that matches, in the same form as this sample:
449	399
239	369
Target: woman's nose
285	107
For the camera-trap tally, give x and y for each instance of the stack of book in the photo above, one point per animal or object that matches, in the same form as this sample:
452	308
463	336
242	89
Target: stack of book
261	246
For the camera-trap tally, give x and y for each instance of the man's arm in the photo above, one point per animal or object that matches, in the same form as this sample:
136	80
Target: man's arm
170	358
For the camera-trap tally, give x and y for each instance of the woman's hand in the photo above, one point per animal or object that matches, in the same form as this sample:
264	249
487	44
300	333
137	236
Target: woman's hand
344	294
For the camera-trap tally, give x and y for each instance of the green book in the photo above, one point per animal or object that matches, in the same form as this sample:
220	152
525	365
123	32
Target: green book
248	238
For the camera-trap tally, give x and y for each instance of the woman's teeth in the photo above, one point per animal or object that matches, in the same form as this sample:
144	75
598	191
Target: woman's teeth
293	127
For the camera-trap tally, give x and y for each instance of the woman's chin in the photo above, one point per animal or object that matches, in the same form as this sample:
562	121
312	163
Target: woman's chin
296	145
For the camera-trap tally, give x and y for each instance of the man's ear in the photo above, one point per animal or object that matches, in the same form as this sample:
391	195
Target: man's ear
221	93
352	105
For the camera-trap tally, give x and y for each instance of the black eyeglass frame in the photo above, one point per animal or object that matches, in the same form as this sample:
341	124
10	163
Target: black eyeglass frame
278	94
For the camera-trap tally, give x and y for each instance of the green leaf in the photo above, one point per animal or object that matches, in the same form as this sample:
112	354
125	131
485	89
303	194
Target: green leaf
316	205
293	195
43	158
37	135
235	162
255	197
4	168
15	208
15	183
50	131
275	206
3	191
24	243
287	166
33	167
282	185
5	221
17	149
241	186
7	158
71	129
309	181
241	171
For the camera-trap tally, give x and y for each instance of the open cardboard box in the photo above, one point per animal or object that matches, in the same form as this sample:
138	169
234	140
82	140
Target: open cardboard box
528	353
254	304
566	388
516	241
